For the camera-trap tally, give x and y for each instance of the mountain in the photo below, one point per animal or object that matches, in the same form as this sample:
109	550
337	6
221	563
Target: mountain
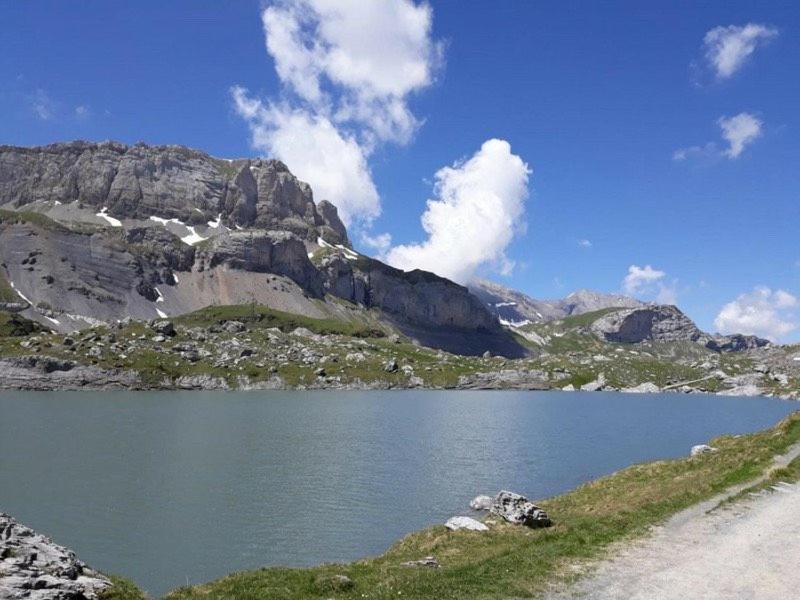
92	233
516	309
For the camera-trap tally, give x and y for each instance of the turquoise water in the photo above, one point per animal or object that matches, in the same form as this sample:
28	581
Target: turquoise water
169	487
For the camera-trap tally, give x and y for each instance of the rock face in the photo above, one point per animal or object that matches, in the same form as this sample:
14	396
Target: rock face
171	182
144	231
33	567
653	323
517	509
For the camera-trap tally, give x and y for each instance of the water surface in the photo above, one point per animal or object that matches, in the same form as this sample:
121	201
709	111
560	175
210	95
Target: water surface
166	487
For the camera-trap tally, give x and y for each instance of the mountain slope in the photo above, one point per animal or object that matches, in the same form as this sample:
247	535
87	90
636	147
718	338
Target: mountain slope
93	233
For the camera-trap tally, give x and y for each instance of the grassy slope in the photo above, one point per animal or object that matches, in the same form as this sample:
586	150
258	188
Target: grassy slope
510	561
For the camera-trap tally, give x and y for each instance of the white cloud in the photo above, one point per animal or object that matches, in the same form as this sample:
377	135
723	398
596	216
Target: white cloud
41	104
639	278
380	242
761	312
348	68
727	48
648	283
333	163
82	111
738	131
585	243
478	208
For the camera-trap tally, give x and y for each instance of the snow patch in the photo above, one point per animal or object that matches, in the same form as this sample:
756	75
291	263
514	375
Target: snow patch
501	304
193	237
57	203
514	324
52	320
175	277
20	294
215	224
161	314
111	220
160	295
166	221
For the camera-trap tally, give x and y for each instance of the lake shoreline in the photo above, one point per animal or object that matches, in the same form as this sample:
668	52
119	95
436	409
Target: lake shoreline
510	559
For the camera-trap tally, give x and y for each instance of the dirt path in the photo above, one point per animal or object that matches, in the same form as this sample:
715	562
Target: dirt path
750	549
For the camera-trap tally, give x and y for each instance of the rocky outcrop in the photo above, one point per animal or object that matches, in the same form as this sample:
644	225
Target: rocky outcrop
278	252
170	182
654	323
33	567
517	509
736	343
468	523
46	373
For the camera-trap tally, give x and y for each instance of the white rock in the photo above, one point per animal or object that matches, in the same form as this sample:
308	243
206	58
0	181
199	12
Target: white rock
481	503
702	449
647	387
456	523
568	388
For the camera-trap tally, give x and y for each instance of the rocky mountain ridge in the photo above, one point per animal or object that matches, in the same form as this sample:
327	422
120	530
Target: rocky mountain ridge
93	233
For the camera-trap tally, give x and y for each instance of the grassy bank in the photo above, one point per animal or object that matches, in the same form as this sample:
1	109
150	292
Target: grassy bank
510	561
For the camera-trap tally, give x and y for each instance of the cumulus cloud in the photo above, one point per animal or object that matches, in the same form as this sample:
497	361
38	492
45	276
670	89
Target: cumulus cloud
348	69
477	210
727	48
738	131
640	277
82	111
585	243
648	283
762	312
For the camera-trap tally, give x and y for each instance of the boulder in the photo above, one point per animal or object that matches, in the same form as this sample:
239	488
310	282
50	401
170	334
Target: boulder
517	509
456	523
32	566
164	328
596	385
643	388
481	503
428	561
702	449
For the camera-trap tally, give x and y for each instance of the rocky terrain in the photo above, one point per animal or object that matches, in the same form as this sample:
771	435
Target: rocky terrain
162	267
33	567
94	233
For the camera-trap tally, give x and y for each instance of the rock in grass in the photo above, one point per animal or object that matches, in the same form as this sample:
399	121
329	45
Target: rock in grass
164	328
643	388
481	503
456	523
517	509
428	561
334	583
702	449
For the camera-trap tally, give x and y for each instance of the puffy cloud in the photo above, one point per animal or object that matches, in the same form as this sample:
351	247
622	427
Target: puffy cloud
477	210
761	312
348	68
727	48
333	163
738	131
585	243
82	111
640	277
379	242
648	283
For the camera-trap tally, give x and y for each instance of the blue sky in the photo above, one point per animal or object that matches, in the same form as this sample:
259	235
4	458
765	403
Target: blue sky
595	99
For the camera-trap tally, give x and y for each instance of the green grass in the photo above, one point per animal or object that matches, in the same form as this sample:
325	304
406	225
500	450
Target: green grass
263	317
511	561
14	325
122	589
34	218
7	293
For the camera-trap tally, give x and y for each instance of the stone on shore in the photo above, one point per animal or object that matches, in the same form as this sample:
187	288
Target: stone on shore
456	523
481	503
33	567
702	449
517	509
